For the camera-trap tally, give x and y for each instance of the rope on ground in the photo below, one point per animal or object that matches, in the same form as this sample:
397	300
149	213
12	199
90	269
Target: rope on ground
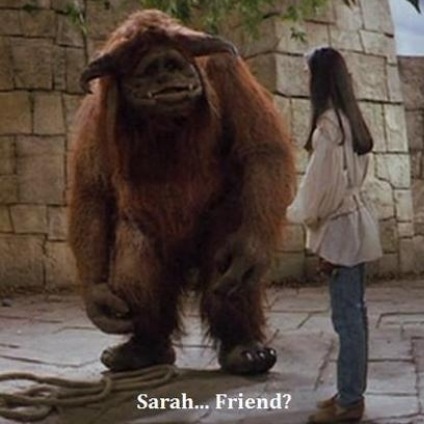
37	402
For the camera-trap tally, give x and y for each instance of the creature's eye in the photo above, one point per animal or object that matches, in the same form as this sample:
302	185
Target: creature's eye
151	69
172	65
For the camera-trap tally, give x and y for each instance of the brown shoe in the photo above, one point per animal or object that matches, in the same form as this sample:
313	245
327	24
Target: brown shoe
338	414
327	403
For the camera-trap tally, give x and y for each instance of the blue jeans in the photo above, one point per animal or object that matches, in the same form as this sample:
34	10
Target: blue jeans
349	317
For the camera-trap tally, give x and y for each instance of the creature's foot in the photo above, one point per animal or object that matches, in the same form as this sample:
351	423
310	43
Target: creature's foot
132	355
250	358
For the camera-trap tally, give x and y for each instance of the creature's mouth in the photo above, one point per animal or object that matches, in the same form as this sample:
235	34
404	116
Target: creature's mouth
174	94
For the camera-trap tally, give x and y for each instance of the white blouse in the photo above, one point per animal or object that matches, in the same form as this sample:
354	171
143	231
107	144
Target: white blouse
341	226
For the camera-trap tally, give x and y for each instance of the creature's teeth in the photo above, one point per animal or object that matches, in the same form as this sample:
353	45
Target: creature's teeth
150	95
191	87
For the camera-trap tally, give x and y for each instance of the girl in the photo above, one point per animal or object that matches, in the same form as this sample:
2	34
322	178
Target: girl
341	229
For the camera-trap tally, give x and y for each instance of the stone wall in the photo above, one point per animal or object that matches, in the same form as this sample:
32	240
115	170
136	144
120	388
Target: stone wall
411	73
41	55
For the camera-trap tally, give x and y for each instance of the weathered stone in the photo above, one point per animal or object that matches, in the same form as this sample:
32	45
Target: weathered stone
21	261
8	189
394	168
416	162
374	117
10	23
415	129
411	70
75	63
394	84
407	255
405	229
48	114
68	33
288	266
348	18
57	223
100	20
12	4
5	221
291	78
60	265
59	68
71	104
302	159
41	163
294	239
346	40
403	205
300	108
419	252
29	219
60	5
367	71
397	139
376	14
388	265
7	155
6	68
379	44
33	63
381	194
15	116
264	69
388	235
38	23
418	200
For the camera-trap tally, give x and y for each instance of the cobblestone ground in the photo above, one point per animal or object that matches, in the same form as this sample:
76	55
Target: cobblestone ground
50	335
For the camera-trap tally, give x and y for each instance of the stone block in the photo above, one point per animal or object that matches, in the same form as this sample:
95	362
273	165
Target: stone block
5	221
376	15
264	69
10	23
419	252
68	33
416	161
348	18
345	40
300	117
8	189
41	170
381	194
60	5
15	116
388	265
394	168
6	68
294	239
33	63
7	155
405	229
59	68
408	261
394	84
38	23
417	190
388	235
60	265
374	117
75	64
29	219
403	205
302	159
397	139
411	70
379	44
48	114
57	223
288	266
415	129
12	4
367	74
291	78
21	261
71	104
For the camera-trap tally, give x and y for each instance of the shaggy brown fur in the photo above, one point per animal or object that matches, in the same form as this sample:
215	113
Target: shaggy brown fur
154	197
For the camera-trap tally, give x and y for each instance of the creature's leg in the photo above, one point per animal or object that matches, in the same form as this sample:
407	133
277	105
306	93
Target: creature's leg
139	276
236	320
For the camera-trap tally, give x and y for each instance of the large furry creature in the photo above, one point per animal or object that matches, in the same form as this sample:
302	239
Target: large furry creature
181	163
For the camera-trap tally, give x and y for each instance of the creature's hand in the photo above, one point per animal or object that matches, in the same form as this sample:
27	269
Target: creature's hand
107	311
240	264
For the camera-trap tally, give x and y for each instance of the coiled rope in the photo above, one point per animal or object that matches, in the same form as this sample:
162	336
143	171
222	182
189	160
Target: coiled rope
38	401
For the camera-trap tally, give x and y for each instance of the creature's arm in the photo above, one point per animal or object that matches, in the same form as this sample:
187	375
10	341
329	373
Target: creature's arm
263	151
91	229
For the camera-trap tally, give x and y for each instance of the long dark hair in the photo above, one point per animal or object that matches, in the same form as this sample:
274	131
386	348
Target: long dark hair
331	87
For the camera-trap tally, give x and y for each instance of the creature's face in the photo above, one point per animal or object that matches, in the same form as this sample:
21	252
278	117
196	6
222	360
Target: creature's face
163	82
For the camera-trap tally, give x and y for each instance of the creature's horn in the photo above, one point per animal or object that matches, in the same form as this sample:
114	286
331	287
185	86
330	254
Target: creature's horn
200	43
104	65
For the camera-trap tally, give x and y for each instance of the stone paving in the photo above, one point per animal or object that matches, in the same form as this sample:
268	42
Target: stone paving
50	335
